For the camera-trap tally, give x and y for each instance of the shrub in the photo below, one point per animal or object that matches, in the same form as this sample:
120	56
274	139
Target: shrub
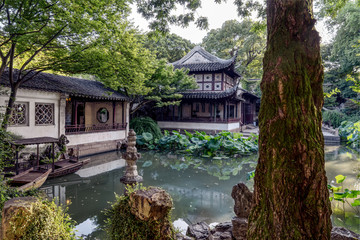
333	118
7	193
46	221
146	124
6	151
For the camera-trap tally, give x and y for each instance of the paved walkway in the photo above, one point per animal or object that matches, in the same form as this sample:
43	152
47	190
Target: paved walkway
330	137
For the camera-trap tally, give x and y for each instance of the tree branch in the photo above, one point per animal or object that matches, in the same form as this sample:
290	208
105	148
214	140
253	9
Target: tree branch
8	16
18	11
2	4
143	103
11	77
40	49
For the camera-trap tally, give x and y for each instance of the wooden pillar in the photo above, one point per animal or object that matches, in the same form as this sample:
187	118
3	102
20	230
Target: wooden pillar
173	112
224	105
191	109
236	110
179	112
226	111
215	112
53	156
114	112
17	161
122	114
37	155
76	109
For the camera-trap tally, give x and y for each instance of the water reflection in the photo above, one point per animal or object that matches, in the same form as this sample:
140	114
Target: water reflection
200	188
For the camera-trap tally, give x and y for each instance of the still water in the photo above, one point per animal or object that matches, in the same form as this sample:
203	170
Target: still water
200	188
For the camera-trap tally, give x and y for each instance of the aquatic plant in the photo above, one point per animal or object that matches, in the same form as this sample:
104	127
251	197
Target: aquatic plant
200	143
145	124
345	204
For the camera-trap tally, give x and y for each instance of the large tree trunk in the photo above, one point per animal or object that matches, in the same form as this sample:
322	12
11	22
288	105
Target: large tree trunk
9	108
291	196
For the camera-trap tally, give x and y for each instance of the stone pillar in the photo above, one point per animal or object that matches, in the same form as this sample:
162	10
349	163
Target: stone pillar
131	156
62	113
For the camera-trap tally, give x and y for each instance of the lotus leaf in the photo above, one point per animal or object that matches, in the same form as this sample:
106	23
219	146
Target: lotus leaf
147	136
228	144
140	140
184	142
183	166
213	144
147	163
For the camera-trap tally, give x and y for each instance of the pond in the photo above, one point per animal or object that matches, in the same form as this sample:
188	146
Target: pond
200	188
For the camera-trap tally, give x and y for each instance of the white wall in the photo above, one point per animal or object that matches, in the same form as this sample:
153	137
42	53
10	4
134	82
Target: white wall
199	126
58	128
32	97
85	138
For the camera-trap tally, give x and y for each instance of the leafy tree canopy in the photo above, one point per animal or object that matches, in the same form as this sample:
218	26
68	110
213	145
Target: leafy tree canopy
47	35
342	55
240	37
170	47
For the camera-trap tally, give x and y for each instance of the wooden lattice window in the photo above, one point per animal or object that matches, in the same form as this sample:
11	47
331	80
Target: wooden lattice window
19	114
44	113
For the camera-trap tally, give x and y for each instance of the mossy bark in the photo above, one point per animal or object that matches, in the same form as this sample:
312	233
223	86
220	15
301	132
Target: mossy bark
291	196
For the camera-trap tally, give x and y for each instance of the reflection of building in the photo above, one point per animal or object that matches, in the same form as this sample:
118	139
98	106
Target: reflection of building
217	104
85	111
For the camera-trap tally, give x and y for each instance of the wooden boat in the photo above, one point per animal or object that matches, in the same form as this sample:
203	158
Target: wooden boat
31	178
66	166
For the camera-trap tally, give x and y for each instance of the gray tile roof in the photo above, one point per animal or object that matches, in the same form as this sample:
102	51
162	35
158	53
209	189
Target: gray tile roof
199	60
196	94
69	85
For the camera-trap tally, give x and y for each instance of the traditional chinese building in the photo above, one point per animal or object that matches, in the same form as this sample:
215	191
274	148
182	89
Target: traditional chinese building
92	117
218	103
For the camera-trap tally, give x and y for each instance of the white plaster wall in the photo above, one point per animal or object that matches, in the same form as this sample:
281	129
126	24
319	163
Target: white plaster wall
85	138
32	97
199	126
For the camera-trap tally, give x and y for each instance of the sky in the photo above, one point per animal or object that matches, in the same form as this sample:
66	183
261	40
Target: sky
217	14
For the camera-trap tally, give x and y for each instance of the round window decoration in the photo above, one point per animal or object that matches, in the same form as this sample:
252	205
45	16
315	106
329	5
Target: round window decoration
102	115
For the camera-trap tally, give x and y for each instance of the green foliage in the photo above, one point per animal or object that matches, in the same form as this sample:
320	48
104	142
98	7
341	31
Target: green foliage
351	132
333	118
6	151
170	47
341	56
122	224
145	125
355	87
7	193
240	37
167	83
45	221
350	198
331	8
58	36
201	144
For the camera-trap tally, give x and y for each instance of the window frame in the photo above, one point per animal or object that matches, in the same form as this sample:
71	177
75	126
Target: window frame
26	124
53	114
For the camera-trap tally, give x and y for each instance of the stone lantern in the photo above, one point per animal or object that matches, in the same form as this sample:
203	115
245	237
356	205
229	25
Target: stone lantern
131	156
